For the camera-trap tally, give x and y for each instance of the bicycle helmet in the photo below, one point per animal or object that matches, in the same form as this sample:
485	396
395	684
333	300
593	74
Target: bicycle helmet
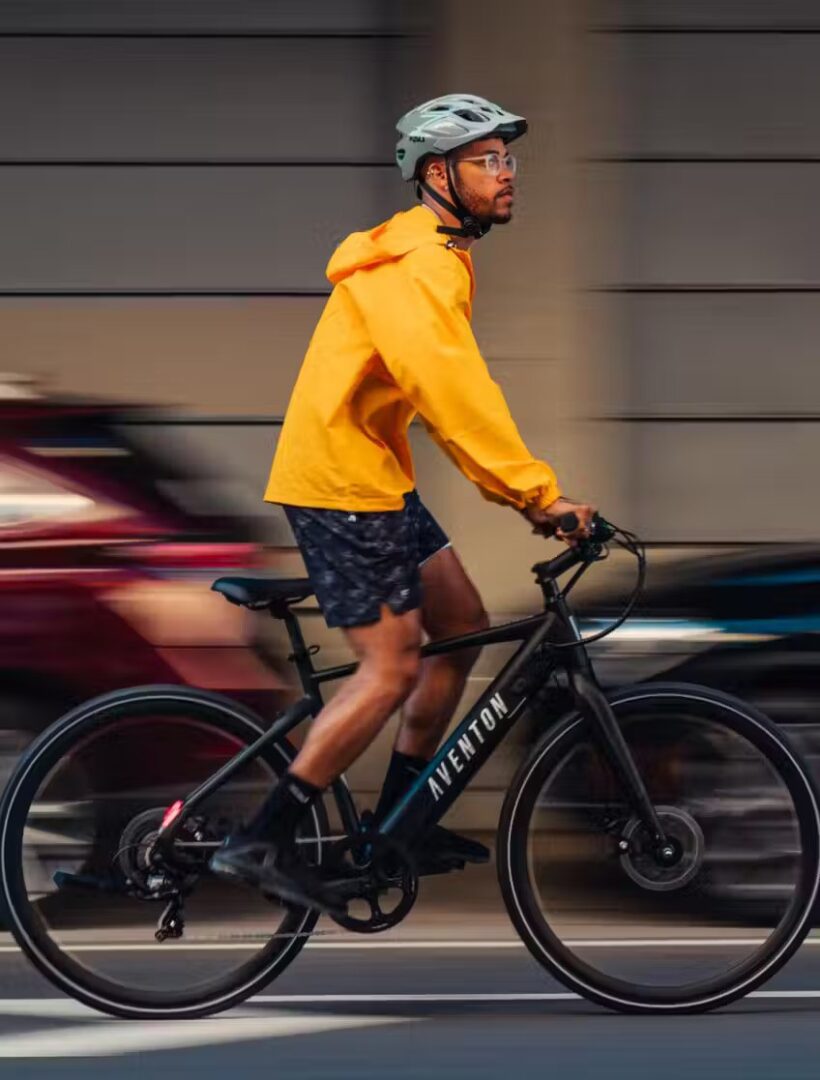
440	126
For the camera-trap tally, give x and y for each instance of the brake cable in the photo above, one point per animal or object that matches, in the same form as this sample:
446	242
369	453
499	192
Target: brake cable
635	546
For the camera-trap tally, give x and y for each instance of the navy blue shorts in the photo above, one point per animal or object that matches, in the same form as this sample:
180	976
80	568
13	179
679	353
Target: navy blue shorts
359	560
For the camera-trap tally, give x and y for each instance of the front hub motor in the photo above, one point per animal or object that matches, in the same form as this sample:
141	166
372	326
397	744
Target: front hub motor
672	865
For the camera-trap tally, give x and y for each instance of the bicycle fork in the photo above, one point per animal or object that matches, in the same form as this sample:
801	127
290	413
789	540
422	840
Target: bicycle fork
595	706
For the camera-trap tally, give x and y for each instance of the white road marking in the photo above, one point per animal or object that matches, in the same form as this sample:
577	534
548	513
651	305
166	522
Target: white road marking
116	1038
410	999
237	946
47	1008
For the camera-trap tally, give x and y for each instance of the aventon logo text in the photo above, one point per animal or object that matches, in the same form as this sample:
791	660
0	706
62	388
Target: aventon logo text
465	748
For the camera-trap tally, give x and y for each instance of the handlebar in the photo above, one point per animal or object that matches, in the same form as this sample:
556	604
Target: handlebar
581	555
585	551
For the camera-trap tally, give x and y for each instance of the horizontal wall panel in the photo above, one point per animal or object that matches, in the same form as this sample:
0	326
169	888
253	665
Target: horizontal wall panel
722	353
727	482
710	14
212	356
724	225
722	95
185	229
220	99
207	16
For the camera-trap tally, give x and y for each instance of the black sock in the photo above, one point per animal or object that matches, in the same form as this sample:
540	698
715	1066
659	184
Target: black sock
401	773
280	813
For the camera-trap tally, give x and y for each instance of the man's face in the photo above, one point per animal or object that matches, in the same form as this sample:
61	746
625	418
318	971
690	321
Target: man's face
487	197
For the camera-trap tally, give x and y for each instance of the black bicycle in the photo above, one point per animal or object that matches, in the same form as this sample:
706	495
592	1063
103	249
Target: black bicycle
616	840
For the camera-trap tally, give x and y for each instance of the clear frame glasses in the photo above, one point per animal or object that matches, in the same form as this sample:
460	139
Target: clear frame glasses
495	163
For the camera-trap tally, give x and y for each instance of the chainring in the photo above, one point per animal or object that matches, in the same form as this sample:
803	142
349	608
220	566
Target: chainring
375	867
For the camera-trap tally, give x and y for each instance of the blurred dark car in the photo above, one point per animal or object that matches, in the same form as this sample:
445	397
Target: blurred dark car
107	551
747	622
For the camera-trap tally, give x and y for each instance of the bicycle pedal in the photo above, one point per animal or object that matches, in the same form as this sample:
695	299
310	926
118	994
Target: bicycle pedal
63	879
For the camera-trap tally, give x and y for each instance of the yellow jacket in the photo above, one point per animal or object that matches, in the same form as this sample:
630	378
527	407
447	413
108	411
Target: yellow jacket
393	341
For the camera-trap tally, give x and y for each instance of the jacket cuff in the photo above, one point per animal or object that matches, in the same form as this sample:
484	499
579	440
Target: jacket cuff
548	495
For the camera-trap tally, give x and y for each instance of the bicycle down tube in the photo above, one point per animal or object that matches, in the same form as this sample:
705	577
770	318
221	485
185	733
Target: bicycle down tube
469	746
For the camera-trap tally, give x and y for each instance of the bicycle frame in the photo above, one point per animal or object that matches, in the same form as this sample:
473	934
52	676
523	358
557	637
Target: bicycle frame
482	729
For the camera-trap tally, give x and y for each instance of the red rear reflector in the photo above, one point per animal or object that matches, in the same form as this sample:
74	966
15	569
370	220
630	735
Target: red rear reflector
171	814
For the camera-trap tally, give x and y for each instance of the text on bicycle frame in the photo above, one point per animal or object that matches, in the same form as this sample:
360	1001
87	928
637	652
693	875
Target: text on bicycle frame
465	748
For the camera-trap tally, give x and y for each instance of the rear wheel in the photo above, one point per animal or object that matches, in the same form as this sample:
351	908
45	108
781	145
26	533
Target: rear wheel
91	930
597	905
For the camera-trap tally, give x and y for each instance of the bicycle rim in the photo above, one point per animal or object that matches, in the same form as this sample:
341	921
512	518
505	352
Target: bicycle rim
586	891
85	804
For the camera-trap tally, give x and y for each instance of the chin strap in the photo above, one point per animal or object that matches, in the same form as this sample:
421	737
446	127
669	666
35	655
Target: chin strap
471	227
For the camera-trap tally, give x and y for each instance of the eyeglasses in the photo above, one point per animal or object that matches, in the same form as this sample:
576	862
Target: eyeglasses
495	163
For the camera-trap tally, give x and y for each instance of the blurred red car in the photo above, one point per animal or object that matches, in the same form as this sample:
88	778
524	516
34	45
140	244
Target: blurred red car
105	566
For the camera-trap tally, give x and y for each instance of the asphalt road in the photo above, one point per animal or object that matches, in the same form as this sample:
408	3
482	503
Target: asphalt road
416	1008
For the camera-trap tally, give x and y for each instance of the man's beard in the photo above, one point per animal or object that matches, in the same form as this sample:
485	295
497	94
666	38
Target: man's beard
494	214
502	216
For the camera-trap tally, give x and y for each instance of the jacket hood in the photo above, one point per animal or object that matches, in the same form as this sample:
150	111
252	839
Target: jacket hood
403	232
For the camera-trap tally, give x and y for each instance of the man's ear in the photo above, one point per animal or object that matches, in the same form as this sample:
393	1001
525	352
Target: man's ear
435	174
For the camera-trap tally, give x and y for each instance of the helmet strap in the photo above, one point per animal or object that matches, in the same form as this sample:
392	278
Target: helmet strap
471	228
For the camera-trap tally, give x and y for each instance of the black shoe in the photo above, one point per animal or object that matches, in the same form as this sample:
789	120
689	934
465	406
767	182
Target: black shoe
445	850
275	870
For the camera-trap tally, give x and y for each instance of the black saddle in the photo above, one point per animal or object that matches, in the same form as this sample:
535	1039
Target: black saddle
264	592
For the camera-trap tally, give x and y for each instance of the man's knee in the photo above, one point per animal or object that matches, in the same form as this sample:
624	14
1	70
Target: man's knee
394	675
390	656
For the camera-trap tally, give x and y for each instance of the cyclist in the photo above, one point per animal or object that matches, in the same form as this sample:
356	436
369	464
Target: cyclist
394	341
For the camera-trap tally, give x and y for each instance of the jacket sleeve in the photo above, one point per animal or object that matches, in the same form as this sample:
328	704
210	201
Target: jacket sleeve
417	313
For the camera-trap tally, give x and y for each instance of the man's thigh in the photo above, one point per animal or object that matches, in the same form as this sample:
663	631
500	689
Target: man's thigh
451	603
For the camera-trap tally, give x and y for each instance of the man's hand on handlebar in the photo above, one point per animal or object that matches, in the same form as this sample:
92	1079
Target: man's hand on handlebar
547	522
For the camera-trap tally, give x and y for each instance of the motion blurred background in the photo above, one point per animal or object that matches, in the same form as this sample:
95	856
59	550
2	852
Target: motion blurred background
173	178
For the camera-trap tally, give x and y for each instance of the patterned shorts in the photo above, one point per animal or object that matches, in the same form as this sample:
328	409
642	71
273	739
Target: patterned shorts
360	560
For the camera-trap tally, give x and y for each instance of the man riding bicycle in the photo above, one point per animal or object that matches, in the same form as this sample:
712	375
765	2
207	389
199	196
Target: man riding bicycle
394	341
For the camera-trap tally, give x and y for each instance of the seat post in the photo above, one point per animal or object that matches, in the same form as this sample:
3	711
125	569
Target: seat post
301	654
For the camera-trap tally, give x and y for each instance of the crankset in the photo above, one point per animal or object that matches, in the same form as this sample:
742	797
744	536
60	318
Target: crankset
377	879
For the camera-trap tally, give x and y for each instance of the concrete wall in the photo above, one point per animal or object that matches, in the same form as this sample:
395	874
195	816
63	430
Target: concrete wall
713	149
651	314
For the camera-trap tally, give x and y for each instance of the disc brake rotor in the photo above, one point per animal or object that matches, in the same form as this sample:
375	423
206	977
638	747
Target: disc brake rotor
640	861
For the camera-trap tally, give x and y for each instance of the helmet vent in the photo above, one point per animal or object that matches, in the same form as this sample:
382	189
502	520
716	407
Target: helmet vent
469	114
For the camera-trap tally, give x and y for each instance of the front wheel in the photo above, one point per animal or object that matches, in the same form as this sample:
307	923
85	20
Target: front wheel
587	892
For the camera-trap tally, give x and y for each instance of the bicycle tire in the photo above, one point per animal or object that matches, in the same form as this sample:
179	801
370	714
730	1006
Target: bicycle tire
516	876
55	964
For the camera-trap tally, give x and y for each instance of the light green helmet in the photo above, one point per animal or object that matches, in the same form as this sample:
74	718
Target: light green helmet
441	125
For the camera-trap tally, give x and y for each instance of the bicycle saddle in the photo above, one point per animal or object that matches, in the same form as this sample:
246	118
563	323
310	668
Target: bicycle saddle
263	592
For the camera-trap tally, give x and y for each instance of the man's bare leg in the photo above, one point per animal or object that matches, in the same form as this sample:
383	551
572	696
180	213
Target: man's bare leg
388	654
451	606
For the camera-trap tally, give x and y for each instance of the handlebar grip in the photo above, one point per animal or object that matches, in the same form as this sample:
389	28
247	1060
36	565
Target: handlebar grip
568	522
600	530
